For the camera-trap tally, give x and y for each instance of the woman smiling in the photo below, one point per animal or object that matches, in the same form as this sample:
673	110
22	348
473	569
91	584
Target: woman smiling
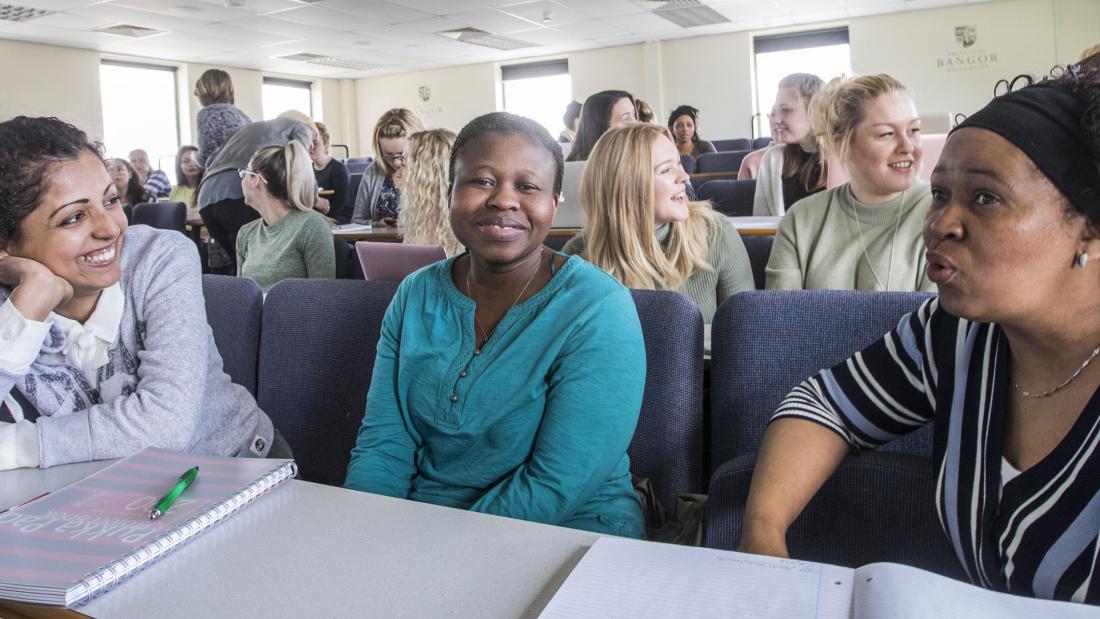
508	379
104	327
864	234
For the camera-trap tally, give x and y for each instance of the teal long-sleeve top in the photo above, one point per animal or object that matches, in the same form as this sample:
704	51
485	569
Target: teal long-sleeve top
534	426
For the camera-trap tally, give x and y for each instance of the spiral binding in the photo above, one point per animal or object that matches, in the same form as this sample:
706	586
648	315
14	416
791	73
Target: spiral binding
107	577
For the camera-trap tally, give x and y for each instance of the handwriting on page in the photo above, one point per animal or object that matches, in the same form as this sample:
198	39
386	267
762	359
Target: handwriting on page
628	578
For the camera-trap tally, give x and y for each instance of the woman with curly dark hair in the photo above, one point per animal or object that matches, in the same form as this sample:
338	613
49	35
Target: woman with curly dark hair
106	346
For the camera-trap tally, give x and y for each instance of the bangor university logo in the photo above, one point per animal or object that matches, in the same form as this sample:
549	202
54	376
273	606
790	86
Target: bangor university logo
425	93
966	35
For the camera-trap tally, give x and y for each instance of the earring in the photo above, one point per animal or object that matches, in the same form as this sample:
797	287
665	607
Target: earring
1082	259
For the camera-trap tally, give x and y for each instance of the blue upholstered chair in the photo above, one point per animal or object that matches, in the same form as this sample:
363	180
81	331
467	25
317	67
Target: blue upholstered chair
234	306
759	143
729	162
316	358
669	445
763	343
164	215
879	505
730	197
688	162
759	247
357	165
732	144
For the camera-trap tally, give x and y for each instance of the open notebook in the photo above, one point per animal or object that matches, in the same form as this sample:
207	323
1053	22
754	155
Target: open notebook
629	578
68	546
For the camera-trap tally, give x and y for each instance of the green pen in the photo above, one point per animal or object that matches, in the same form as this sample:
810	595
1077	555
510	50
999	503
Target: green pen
166	501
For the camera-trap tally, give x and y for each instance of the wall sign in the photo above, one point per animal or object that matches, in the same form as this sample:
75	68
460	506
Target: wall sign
966	57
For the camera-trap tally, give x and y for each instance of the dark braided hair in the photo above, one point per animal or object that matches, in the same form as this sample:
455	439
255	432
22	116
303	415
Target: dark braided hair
504	123
31	146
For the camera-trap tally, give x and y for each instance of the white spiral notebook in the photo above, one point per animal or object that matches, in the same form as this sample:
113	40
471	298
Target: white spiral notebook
71	545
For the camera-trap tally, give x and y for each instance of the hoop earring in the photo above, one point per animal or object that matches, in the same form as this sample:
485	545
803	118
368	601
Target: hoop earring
1083	259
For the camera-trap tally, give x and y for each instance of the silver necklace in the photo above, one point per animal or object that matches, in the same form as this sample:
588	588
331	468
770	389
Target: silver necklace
485	335
863	246
1053	390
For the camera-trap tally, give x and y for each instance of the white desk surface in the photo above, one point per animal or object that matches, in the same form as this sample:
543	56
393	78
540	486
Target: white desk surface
309	550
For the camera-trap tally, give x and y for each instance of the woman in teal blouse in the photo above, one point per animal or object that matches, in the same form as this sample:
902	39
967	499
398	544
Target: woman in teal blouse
508	379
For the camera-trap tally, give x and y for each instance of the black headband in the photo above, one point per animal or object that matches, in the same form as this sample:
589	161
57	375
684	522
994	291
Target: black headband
1044	121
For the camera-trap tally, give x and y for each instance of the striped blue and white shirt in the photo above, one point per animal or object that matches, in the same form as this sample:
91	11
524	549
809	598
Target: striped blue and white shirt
1037	536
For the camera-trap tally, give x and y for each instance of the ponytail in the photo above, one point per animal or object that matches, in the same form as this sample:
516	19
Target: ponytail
288	173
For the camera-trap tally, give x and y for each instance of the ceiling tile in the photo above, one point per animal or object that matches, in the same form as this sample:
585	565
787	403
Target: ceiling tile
53	5
321	17
188	9
604	8
122	15
259	6
281	27
246	38
545	13
376	11
494	21
646	23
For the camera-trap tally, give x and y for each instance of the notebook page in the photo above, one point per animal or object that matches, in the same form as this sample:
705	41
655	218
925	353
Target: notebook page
903	592
630	578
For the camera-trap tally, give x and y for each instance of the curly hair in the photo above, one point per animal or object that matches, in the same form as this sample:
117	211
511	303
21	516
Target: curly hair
505	123
425	196
32	147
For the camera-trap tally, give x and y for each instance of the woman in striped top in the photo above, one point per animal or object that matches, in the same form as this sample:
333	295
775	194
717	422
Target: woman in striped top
999	362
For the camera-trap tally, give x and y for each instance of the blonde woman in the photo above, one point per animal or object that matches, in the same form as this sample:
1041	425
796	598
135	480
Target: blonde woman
379	194
864	234
425	201
793	168
289	239
643	230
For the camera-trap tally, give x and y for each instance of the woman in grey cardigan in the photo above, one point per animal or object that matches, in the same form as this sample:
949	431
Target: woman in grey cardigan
106	345
380	189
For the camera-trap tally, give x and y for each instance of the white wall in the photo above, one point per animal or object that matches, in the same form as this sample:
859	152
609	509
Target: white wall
715	75
70	93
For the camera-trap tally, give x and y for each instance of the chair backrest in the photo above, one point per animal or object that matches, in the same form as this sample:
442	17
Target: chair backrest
720	162
316	366
732	144
234	308
570	214
730	197
347	261
669	445
932	145
876	507
759	247
688	162
763	343
128	211
358	165
164	215
759	143
392	262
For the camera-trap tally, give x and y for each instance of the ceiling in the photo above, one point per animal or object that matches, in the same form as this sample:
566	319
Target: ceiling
376	37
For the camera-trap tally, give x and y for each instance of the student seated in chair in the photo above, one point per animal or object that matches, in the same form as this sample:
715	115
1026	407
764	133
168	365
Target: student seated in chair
289	239
104	329
864	234
793	168
1002	362
643	229
509	379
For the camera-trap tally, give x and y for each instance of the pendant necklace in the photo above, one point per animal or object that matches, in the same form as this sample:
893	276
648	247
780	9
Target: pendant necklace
488	334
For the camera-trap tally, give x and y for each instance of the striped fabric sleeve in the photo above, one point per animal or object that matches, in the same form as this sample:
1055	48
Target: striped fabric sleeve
877	395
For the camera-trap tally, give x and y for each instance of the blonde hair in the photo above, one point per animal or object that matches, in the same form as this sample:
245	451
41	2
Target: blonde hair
644	111
300	117
288	173
425	198
395	123
214	86
618	200
841	105
322	132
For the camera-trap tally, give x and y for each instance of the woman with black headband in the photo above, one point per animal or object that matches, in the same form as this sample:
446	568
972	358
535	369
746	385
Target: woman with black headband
1001	361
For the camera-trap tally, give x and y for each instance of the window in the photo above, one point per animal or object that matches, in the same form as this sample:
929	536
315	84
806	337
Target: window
281	95
140	111
821	52
539	91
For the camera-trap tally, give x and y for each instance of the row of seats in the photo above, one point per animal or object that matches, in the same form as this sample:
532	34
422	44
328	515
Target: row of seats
311	376
166	215
741	144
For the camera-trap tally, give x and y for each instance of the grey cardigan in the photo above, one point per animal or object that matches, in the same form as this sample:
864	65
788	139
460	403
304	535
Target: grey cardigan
370	187
163	385
217	123
217	185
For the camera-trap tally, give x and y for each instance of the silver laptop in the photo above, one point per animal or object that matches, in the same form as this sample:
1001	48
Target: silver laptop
570	214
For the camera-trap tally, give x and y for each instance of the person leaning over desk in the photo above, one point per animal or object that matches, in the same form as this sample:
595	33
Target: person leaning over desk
1000	362
508	380
103	325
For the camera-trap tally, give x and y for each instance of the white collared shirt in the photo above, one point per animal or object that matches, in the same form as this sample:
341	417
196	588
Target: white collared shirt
86	345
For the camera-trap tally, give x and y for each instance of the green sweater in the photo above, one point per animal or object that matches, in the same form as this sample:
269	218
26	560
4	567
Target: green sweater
299	245
535	426
708	288
819	244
